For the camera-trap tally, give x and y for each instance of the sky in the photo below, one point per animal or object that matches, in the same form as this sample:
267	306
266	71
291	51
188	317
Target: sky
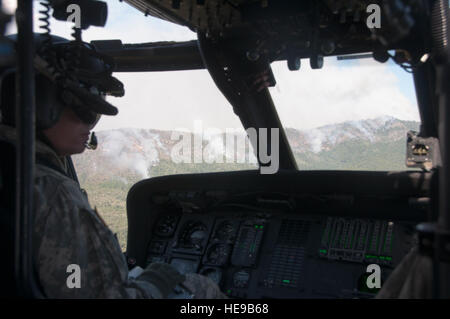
305	99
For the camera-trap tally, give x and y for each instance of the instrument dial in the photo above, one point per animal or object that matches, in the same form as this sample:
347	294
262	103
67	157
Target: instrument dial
166	226
241	279
218	254
193	235
224	231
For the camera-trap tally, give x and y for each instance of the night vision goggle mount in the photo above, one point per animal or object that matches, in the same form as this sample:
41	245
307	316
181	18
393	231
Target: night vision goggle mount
83	78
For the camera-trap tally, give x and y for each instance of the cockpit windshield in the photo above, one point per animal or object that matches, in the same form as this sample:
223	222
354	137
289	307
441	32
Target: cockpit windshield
353	114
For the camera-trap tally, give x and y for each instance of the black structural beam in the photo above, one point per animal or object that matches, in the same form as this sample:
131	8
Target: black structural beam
25	119
157	56
234	75
440	24
424	79
180	56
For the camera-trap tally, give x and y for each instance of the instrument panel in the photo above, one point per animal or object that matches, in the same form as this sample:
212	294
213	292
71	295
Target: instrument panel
280	255
293	234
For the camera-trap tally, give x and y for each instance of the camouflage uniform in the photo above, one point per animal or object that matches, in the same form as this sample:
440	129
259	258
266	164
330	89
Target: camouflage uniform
68	231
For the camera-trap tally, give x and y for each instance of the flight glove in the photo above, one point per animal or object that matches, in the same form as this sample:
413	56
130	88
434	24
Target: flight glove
162	276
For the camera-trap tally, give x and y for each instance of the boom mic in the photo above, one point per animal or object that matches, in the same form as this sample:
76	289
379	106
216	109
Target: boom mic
92	143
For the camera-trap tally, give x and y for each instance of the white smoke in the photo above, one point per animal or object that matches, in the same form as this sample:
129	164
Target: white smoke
131	149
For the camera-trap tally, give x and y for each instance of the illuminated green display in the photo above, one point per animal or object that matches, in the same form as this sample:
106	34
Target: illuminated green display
379	257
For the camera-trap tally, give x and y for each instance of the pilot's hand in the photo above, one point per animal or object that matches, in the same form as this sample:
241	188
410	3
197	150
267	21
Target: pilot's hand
162	276
201	287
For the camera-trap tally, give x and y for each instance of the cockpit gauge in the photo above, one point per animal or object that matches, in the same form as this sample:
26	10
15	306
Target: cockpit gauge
217	254
225	231
241	278
192	236
166	226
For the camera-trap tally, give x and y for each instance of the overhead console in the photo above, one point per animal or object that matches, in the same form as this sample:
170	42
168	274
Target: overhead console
288	235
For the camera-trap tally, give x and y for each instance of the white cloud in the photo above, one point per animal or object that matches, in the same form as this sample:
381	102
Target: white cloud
169	100
312	98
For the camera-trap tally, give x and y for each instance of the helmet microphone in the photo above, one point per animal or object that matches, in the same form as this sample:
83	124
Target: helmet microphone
92	143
